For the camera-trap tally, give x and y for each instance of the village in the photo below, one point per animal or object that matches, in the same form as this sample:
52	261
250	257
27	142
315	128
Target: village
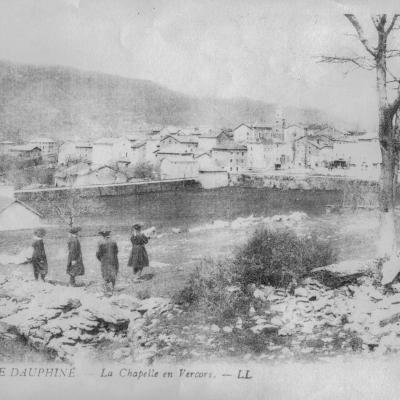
212	156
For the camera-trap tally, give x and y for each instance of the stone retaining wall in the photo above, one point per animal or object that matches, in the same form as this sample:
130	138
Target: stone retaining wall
107	190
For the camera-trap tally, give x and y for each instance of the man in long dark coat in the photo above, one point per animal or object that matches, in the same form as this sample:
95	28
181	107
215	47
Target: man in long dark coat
39	259
107	254
138	258
75	265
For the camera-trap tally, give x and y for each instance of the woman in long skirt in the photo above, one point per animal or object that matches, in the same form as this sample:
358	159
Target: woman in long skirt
75	265
138	258
107	254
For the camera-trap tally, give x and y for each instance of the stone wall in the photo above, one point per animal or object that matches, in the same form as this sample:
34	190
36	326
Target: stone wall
356	192
107	190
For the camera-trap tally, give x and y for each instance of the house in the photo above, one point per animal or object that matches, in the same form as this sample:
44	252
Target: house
186	143
231	156
312	151
293	132
151	147
177	168
84	151
208	140
168	140
101	175
110	150
169	130
26	152
5	146
138	152
211	174
174	151
15	214
250	133
68	176
74	152
363	154
46	145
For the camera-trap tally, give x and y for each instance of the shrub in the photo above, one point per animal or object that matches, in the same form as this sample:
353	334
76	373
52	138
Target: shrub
279	258
211	288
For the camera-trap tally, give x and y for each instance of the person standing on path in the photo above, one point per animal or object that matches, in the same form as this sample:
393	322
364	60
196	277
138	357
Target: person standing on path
138	258
107	254
75	265
39	259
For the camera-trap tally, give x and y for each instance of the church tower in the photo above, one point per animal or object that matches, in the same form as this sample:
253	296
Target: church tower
278	130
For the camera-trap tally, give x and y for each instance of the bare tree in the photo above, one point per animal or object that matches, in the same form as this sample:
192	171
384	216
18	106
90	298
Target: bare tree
74	206
380	58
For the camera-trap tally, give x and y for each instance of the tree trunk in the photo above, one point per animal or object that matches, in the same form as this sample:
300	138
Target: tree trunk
388	183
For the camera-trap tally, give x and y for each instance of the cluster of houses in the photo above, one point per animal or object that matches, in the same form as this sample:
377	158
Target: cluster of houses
211	156
36	150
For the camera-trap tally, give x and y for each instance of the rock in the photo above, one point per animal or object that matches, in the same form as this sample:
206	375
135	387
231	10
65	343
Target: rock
390	270
264	327
176	230
214	328
350	267
259	294
227	329
153	303
301	292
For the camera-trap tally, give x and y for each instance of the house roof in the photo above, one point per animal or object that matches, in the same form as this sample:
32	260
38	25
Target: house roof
173	149
254	126
137	144
212	134
25	147
230	146
187	139
177	160
6	202
368	136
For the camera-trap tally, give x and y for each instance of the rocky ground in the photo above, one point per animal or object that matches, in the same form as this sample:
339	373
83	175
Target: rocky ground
312	320
68	322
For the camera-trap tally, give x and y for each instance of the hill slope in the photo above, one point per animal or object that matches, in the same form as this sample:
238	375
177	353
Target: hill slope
63	102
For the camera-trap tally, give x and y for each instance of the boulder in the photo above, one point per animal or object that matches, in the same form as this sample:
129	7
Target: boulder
345	272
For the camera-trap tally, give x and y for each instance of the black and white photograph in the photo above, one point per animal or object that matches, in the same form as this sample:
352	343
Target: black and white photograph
199	199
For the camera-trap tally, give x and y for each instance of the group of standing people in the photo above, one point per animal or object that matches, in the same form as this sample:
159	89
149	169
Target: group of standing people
107	254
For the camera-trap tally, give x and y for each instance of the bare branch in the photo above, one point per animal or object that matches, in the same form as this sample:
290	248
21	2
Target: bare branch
391	26
360	62
354	21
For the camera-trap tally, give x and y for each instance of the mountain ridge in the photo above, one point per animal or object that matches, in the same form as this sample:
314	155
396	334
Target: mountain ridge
63	102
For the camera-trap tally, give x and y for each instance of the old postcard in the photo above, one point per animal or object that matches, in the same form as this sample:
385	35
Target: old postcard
198	199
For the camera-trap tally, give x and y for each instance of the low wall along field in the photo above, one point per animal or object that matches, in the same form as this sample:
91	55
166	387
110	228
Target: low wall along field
356	192
107	190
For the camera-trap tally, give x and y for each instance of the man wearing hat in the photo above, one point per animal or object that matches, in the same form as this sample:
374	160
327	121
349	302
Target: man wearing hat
75	265
138	258
39	259
107	254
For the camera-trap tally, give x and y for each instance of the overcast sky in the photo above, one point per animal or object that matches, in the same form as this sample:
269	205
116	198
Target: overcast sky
255	48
